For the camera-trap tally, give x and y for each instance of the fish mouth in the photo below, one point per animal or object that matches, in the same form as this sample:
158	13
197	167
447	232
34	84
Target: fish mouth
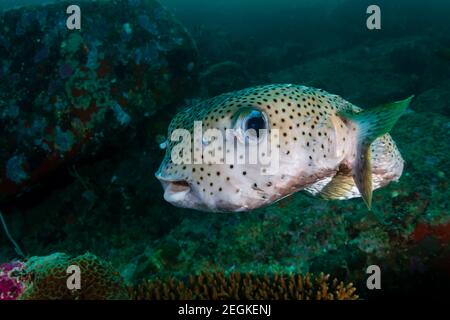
179	186
175	191
179	192
183	194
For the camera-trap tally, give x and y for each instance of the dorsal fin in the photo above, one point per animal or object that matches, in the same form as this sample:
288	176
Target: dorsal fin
371	124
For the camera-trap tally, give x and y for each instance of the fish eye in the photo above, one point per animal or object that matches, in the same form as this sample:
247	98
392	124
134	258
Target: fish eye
255	121
250	121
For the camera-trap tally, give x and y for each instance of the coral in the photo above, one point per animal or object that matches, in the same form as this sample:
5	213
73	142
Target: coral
46	279
11	287
219	286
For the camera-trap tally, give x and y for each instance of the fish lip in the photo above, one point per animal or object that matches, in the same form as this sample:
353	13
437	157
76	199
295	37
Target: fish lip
162	178
174	185
180	185
178	192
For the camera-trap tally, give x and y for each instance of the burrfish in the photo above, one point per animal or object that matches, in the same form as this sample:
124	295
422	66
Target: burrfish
325	146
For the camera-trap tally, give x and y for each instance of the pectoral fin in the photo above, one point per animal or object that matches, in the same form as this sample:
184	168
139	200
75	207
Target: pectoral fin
371	124
339	188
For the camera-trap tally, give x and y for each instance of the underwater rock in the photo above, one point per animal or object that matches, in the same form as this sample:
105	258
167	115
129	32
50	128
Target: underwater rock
223	77
367	75
434	100
65	94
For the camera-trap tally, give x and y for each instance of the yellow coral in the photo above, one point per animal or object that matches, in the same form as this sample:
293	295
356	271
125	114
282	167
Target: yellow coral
218	286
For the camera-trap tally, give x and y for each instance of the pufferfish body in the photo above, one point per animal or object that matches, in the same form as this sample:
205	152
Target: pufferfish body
325	146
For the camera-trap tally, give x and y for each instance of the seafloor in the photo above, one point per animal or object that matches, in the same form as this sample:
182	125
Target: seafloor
112	205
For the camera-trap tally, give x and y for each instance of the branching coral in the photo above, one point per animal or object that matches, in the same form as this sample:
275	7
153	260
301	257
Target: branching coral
218	286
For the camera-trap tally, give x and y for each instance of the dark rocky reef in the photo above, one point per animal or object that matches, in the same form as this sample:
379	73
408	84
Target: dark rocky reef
66	94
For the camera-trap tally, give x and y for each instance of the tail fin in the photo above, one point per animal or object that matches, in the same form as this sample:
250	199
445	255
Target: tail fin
371	124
